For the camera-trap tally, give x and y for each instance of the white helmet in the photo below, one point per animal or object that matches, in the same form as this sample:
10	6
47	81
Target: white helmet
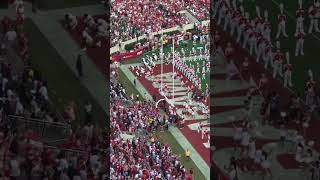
258	11
300	3
247	16
281	7
278	44
266	14
288	57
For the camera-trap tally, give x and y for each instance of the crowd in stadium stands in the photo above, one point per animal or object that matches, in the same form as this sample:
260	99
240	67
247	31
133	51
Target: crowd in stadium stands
23	154
117	91
93	30
130	19
143	156
134	18
198	8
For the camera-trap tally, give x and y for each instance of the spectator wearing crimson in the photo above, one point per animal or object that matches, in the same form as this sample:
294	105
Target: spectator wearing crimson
6	24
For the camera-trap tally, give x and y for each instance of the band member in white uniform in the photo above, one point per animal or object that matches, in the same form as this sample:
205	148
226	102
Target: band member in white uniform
277	63
314	15
282	18
299	43
300	18
287	72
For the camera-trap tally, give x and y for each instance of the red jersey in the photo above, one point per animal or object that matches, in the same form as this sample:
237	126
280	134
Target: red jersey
252	34
282	18
228	52
288	67
269	49
258	36
247	28
300	35
300	12
313	11
236	14
267	25
311	84
242	21
258	21
6	24
278	56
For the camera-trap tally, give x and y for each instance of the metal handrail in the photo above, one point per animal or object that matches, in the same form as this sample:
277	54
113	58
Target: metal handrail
64	125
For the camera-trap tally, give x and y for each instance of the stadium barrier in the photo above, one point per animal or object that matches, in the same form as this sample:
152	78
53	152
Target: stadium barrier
48	131
128	55
185	27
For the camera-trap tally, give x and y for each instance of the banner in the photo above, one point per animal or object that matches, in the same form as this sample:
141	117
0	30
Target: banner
128	55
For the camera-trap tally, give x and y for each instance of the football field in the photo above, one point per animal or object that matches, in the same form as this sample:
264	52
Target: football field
312	41
148	85
191	61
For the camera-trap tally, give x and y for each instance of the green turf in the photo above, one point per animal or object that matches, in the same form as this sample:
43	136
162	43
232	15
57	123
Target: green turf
165	136
301	63
60	4
193	65
130	89
63	85
166	50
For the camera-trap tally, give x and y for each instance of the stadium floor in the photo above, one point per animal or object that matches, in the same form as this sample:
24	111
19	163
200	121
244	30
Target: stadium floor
188	135
284	165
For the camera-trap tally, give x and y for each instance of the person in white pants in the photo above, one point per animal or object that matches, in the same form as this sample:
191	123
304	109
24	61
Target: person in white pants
252	42
261	48
314	15
266	27
277	64
300	24
259	20
287	72
299	44
235	21
232	70
228	19
282	18
300	11
242	24
300	18
268	58
222	11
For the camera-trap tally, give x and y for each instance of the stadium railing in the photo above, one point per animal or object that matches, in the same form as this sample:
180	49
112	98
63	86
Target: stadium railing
49	132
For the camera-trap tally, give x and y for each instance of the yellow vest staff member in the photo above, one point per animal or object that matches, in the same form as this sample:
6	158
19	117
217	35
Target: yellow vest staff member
188	154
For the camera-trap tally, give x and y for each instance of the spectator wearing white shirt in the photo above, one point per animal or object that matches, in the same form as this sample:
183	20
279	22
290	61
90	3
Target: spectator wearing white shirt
88	110
72	21
44	92
19	108
11	36
15	167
